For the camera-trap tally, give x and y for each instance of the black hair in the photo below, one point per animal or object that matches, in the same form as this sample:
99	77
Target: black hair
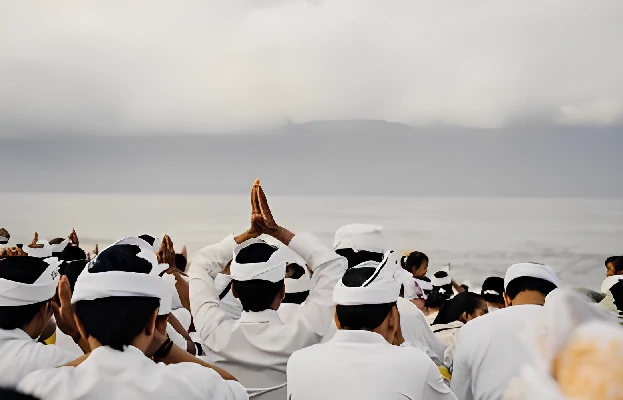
414	259
72	269
180	262
294	271
495	284
296	298
56	241
466	302
71	253
23	269
13	394
528	283
618	264
148	238
610	259
365	317
439	294
116	321
256	294
357	257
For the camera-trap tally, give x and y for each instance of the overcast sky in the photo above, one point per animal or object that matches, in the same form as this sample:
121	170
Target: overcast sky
148	67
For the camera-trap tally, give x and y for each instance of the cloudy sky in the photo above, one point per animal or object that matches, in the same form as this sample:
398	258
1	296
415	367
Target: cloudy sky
152	67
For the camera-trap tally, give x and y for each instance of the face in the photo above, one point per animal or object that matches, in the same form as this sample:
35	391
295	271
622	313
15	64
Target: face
610	271
421	271
479	312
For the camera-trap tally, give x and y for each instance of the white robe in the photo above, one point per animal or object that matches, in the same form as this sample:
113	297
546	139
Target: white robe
490	352
110	374
363	365
256	347
20	355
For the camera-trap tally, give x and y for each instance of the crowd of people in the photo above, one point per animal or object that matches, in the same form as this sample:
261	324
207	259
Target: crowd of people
273	314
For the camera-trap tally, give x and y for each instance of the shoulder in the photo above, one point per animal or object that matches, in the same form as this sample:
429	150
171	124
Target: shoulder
45	381
204	380
308	353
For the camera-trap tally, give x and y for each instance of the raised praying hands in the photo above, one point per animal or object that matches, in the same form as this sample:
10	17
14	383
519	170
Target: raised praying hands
73	237
166	254
33	244
12	252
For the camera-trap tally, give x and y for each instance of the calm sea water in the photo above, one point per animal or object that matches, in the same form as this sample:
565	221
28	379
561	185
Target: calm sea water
478	236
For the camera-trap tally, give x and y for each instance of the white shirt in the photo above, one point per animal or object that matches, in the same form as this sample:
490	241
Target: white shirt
256	347
20	355
489	352
363	365
445	332
65	342
110	374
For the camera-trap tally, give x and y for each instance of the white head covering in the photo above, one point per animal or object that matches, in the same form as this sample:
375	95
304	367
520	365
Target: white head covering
443	281
39	252
21	294
273	270
91	286
58	248
380	288
532	270
609	282
360	237
299	285
424	285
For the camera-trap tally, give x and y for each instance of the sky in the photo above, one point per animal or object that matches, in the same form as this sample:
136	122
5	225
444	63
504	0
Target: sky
102	68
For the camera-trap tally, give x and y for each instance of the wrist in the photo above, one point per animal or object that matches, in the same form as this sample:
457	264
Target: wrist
282	234
243	237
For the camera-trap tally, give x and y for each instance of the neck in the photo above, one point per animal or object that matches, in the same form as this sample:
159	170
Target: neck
496	305
529	297
33	329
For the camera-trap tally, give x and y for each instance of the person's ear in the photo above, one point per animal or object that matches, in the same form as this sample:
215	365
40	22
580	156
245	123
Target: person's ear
337	321
80	327
393	323
464	317
507	301
282	292
233	290
151	323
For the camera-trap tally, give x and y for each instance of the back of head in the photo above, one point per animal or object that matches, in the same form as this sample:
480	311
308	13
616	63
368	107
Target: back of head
26	270
148	238
180	262
72	269
466	304
256	295
116	321
295	273
528	284
493	290
365	317
71	253
358	257
618	265
442	290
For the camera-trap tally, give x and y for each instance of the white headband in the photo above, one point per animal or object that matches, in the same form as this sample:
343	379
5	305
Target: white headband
609	282
360	237
297	285
424	285
3	239
21	294
380	288
493	292
273	270
441	281
91	286
532	270
58	248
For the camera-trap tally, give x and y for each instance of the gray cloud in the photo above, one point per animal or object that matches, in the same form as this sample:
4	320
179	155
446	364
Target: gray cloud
193	66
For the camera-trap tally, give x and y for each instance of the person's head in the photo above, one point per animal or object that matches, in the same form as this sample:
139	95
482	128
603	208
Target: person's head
493	291
148	238
4	236
56	241
71	253
442	290
614	265
30	315
359	243
416	263
380	318
463	307
180	262
296	283
355	258
529	283
119	321
72	269
257	294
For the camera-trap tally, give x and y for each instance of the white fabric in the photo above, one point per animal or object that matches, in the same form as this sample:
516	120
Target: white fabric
380	288
256	347
360	237
66	343
490	352
21	355
183	316
176	302
20	294
425	285
109	374
445	332
39	252
273	270
297	285
363	365
410	288
441	281
57	248
609	282
122	284
532	270
176	337
566	316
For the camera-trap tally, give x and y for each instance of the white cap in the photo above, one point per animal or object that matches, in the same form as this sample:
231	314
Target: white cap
273	270
360	237
532	270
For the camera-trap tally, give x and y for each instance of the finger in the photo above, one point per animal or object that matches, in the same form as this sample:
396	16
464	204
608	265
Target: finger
255	204
57	312
265	209
65	292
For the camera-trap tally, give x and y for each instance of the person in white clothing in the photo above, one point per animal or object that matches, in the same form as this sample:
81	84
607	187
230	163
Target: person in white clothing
121	307
297	290
368	357
489	350
360	243
27	285
256	346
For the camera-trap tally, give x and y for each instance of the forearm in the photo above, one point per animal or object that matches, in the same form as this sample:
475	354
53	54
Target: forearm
77	361
178	355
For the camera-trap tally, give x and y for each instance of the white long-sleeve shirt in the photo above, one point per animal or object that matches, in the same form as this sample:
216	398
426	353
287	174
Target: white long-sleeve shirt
489	352
256	347
363	365
128	375
20	355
